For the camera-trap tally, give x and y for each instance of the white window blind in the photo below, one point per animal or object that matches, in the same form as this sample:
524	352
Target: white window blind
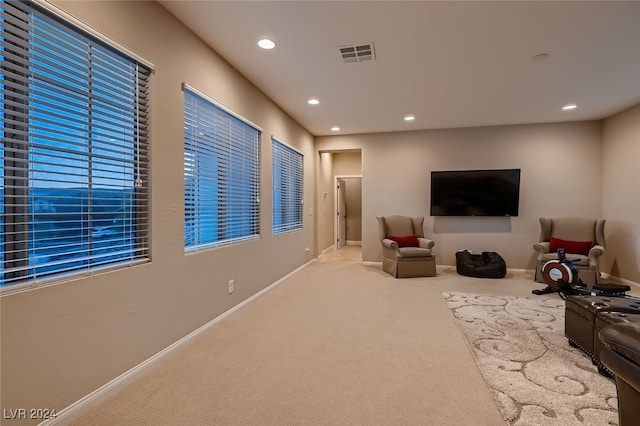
287	188
74	149
221	175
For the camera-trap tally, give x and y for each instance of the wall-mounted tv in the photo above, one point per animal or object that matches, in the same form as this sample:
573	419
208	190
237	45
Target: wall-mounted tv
475	192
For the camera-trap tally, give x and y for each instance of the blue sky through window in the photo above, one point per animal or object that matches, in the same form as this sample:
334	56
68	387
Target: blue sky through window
75	166
287	191
221	172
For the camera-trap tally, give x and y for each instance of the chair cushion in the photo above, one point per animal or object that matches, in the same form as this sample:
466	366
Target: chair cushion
576	247
399	225
407	252
408	241
573	228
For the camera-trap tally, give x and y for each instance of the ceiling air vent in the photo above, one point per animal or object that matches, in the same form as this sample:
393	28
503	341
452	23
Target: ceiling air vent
357	53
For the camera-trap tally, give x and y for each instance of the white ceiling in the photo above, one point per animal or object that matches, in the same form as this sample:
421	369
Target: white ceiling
451	64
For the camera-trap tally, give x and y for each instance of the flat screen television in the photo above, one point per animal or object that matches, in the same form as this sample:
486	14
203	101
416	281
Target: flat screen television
475	192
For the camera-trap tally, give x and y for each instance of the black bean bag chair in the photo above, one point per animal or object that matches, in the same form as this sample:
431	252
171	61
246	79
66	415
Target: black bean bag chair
489	264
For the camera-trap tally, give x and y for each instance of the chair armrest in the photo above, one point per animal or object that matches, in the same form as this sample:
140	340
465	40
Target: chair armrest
390	243
542	247
596	251
425	243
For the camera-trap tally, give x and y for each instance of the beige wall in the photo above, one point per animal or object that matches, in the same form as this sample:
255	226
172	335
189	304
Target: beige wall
62	342
561	175
347	163
324	201
621	187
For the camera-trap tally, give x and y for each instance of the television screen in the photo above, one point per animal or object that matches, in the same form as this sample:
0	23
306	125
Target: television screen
475	192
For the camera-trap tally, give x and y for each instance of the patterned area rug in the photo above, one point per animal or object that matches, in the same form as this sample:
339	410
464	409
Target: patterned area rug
535	376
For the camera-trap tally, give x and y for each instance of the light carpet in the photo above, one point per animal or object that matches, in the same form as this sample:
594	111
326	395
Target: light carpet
535	377
336	344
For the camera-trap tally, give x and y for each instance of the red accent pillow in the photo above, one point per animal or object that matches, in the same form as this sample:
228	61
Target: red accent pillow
575	247
408	241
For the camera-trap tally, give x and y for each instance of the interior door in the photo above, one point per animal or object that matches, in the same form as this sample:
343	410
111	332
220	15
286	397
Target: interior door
341	237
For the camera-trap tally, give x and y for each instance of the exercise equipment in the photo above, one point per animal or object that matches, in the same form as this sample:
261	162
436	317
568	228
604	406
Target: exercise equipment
561	276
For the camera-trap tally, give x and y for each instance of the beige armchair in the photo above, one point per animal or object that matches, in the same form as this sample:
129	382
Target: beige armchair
405	251
582	239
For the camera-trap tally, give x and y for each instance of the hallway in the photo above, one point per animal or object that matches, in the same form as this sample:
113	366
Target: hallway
349	253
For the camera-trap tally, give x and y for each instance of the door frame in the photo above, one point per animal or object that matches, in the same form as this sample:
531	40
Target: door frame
336	222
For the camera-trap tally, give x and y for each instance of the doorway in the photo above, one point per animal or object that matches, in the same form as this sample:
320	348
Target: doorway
348	230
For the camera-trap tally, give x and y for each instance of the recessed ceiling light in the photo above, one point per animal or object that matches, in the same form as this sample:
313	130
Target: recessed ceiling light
265	43
569	107
313	101
409	117
335	129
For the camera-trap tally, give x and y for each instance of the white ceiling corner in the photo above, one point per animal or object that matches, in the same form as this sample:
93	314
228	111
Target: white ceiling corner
451	64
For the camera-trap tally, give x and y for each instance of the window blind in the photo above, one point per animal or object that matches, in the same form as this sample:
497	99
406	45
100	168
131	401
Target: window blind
74	149
287	188
221	175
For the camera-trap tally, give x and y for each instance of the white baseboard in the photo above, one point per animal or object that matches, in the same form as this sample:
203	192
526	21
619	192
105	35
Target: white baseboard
325	251
354	243
79	407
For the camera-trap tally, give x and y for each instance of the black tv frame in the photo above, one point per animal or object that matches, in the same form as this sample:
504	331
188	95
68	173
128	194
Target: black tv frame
489	192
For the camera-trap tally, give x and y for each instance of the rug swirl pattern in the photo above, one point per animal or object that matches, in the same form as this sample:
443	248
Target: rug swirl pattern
535	377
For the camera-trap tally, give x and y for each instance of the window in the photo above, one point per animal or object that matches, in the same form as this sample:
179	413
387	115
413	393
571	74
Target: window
287	188
221	174
74	149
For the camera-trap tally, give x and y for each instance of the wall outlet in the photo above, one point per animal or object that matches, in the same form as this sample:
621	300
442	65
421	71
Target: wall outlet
230	286
307	249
